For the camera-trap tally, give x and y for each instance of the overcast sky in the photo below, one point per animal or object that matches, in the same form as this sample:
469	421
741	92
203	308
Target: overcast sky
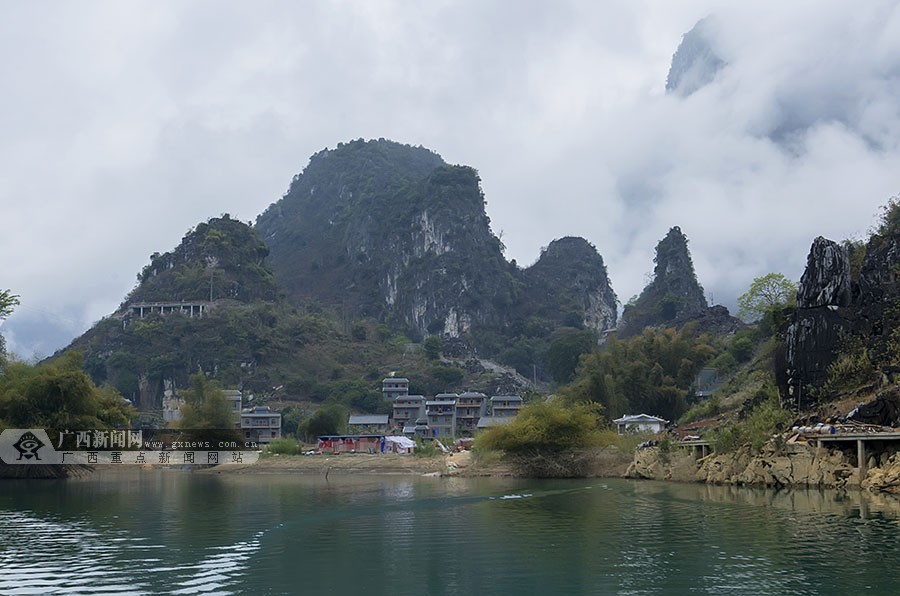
124	124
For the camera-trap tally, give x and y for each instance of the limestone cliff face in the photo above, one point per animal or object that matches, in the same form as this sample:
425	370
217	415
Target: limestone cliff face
376	229
571	280
819	320
831	307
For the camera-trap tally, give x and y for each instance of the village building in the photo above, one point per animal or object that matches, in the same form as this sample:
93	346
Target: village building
639	423
505	406
471	406
440	415
369	424
489	421
234	399
394	387
188	309
407	409
367	443
260	424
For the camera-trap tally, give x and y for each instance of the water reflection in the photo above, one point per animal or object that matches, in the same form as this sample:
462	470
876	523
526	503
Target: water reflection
173	532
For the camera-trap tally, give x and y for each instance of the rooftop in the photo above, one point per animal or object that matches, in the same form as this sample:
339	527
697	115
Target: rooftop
369	419
639	418
506	398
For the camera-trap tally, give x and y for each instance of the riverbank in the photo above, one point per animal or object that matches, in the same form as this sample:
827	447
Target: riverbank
351	463
609	462
796	465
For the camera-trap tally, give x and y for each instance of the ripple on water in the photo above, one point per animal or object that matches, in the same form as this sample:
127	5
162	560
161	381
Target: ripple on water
50	556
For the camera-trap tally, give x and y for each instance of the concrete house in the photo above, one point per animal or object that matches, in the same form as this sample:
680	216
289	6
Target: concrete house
640	423
394	387
260	424
406	410
440	414
471	406
505	406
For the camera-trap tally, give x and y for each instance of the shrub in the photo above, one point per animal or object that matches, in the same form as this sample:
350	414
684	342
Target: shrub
704	409
432	347
763	421
546	427
548	439
284	447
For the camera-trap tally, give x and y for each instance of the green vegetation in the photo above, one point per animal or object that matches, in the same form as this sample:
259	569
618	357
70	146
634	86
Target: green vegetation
8	302
889	220
432	347
284	446
330	419
650	373
765	418
205	406
767	292
547	438
566	350
702	410
58	395
426	448
220	259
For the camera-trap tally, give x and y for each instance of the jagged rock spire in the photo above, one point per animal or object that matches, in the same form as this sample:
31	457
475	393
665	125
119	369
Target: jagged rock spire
674	295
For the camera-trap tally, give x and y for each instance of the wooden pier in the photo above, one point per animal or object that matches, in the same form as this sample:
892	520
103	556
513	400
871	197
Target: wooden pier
861	439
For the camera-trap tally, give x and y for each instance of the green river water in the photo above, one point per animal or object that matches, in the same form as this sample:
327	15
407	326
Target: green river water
176	532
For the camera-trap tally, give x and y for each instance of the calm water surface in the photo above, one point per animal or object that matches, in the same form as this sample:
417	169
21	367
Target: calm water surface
173	532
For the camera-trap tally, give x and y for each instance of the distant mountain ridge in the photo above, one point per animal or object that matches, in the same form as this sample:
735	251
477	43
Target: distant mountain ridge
374	241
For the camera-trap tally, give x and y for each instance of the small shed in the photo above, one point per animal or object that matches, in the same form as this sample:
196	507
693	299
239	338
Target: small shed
640	423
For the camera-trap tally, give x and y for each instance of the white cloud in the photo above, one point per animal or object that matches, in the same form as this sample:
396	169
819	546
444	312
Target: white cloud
125	125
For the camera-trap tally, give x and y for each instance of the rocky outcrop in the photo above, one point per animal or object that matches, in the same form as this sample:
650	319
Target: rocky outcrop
695	63
674	297
826	280
820	321
885	476
876	301
884	410
788	465
835	311
653	464
571	282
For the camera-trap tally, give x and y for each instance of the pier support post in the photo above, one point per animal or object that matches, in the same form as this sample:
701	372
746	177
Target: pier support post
861	458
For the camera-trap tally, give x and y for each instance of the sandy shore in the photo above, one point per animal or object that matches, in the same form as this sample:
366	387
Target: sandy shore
606	464
456	464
